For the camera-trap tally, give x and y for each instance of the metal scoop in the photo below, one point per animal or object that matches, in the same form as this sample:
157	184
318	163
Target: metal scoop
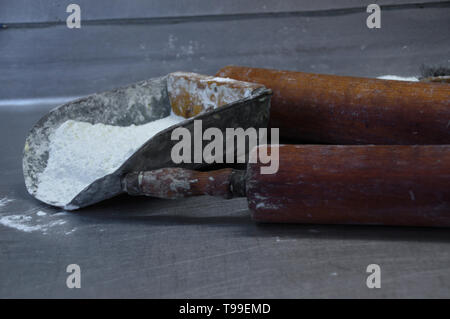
218	102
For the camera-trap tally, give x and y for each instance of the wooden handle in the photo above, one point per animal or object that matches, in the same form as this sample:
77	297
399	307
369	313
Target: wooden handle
382	185
331	109
172	183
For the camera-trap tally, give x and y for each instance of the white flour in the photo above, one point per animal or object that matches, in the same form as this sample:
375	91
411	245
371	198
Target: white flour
19	222
398	78
80	153
30	220
27	222
4	201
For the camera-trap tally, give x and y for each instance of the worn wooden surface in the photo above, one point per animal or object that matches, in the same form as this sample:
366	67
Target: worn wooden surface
202	247
53	11
72	62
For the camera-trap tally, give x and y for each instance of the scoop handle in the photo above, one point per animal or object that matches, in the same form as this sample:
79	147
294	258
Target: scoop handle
324	184
172	183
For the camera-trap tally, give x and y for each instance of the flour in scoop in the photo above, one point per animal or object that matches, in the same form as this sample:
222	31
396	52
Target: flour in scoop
81	152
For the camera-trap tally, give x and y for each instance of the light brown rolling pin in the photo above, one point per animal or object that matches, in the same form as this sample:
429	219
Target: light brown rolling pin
330	109
381	185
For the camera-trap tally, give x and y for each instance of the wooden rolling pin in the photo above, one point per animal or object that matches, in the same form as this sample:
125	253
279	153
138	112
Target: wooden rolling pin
330	109
381	185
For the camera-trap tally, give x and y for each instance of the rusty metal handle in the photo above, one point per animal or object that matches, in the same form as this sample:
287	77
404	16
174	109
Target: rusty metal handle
172	183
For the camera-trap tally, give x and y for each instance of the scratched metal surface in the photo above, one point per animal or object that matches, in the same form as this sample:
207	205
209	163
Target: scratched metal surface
202	247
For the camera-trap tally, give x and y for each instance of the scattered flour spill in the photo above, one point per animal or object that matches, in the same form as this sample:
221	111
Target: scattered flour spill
26	223
63	213
398	78
279	240
19	222
70	231
30	220
4	201
80	153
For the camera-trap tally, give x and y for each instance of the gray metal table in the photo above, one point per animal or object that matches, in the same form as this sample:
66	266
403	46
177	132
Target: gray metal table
201	247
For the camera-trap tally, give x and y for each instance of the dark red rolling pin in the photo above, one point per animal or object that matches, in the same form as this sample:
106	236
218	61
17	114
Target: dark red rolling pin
330	109
322	184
